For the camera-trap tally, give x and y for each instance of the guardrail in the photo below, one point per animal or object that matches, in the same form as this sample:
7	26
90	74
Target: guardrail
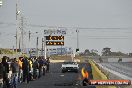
98	75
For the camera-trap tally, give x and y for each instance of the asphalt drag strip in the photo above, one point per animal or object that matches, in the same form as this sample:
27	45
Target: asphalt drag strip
56	79
87	68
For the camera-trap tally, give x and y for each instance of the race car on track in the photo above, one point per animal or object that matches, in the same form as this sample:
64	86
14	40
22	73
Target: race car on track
69	66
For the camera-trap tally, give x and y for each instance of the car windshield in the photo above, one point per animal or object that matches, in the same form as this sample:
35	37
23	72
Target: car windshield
69	63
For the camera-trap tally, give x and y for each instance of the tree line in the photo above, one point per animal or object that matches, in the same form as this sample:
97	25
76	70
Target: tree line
105	52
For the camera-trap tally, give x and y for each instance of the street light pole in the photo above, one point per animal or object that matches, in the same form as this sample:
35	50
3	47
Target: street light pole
22	35
37	48
42	47
16	40
17	13
45	49
16	22
77	40
29	44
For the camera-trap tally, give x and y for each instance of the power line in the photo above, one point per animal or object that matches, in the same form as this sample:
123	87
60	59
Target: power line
100	37
84	28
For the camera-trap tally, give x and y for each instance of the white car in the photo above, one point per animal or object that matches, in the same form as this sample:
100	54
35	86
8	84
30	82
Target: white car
70	66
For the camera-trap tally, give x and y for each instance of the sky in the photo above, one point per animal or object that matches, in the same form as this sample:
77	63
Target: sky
101	23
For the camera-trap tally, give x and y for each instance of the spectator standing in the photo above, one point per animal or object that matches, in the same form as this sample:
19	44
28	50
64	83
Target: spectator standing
25	68
5	72
35	67
48	64
15	69
41	63
44	66
20	69
1	73
30	69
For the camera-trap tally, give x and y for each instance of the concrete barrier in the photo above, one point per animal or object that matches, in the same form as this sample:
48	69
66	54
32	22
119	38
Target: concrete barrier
98	75
10	55
122	59
58	61
114	75
126	59
113	59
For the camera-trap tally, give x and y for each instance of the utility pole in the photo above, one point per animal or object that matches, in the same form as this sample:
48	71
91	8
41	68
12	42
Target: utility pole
45	49
29	43
77	40
42	47
17	13
37	48
29	36
16	41
16	22
13	49
19	44
22	33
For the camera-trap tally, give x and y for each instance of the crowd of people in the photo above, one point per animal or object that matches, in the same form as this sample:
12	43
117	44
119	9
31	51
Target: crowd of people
23	69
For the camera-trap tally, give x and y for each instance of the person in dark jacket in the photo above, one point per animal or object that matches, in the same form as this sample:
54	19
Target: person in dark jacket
5	71
1	70
35	67
30	69
25	68
15	69
48	64
14	66
40	61
1	73
44	66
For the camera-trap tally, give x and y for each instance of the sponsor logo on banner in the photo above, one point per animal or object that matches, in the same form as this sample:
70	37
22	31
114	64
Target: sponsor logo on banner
110	82
55	32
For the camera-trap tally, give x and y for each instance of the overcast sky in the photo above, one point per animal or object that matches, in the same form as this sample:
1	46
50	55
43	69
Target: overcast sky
100	14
